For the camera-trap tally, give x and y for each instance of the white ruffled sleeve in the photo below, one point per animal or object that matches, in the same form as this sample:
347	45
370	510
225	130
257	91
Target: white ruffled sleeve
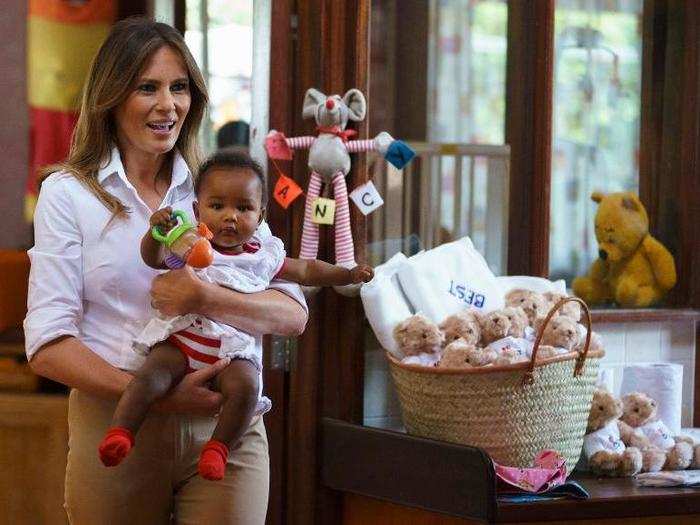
55	297
288	288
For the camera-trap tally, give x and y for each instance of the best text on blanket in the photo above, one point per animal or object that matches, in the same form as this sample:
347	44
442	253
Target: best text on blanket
466	295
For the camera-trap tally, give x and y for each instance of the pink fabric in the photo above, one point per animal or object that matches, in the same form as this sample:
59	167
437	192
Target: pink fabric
344	248
355	146
277	147
309	233
548	471
300	142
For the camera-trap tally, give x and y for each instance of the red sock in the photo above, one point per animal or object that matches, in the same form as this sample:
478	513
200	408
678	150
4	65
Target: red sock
115	446
212	461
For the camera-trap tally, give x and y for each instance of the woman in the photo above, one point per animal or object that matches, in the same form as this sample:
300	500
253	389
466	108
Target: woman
132	153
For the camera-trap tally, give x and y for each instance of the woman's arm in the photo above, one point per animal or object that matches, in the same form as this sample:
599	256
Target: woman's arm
268	312
68	361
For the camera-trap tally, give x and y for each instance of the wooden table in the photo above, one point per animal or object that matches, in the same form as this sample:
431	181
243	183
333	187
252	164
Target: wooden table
392	478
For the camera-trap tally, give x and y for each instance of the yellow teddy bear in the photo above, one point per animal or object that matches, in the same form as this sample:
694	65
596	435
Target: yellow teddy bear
633	268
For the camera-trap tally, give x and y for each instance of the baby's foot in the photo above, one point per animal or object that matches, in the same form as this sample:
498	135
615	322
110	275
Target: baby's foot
212	461
115	446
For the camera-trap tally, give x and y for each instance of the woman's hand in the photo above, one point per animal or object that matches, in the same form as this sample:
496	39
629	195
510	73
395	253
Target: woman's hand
177	292
192	395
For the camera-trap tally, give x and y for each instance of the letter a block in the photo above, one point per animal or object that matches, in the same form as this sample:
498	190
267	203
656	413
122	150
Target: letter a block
323	211
286	190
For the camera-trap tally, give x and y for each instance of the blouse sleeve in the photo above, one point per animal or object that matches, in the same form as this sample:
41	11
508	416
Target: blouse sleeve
54	301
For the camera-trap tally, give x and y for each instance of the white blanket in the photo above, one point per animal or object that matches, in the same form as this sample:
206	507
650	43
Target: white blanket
384	302
448	279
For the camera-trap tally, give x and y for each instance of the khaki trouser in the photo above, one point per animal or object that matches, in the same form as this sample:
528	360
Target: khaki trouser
158	481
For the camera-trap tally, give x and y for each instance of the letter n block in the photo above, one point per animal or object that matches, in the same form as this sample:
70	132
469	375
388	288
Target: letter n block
323	211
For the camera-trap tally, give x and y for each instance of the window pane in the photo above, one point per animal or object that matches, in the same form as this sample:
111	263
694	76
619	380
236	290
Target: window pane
468	65
597	82
441	84
229	65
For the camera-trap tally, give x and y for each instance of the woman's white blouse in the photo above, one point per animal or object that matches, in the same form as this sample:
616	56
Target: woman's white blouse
87	277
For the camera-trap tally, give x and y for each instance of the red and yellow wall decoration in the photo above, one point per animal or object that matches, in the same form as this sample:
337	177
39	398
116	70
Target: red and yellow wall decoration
62	38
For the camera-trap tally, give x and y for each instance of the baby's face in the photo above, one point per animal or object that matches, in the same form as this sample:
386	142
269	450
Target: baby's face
229	203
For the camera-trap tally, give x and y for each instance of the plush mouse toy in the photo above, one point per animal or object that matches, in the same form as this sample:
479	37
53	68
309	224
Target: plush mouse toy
329	162
605	451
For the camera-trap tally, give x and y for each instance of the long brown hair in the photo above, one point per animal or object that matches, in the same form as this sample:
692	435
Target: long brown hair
113	74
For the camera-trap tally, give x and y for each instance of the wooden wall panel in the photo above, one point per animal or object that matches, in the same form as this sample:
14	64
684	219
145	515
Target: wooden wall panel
330	53
33	453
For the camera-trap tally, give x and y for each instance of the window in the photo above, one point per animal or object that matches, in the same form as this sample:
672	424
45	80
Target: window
441	84
597	84
220	35
467	62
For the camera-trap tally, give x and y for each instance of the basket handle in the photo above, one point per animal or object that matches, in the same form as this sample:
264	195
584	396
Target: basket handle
529	377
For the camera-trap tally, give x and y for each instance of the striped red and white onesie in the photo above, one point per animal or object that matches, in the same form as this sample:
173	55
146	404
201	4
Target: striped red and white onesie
204	340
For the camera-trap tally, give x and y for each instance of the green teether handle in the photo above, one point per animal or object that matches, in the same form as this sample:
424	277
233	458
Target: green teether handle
173	235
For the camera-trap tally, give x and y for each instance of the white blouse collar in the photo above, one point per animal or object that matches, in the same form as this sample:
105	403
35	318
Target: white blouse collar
180	174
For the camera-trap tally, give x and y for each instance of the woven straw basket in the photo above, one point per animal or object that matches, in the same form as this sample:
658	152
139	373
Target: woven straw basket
512	412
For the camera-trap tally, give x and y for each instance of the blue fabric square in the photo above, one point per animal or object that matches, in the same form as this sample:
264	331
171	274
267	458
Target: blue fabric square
399	154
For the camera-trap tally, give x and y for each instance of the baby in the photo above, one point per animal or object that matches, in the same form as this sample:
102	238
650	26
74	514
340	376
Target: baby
231	197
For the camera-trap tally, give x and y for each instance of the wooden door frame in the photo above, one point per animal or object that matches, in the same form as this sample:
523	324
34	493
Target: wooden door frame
322	44
669	171
529	84
333	47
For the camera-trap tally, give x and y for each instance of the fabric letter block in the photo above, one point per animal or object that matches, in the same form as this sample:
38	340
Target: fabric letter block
367	198
399	154
277	148
286	191
323	211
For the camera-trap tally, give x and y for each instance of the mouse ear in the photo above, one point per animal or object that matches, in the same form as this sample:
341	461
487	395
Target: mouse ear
357	106
312	99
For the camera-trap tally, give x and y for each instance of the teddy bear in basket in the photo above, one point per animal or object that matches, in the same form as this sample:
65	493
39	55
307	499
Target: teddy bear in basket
641	428
419	340
606	453
501	337
506	338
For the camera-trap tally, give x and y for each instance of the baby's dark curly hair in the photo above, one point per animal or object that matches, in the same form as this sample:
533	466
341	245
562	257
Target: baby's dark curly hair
231	158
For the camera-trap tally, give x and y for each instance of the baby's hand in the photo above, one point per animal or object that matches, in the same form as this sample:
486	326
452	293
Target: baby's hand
361	274
164	219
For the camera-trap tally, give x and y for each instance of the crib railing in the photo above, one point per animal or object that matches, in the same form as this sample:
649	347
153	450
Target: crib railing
446	192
